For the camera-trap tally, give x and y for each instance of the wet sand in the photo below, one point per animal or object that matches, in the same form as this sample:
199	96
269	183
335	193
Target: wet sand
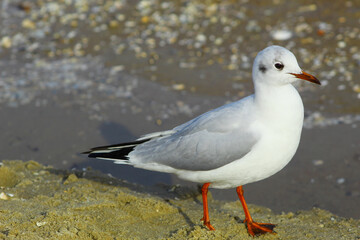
40	202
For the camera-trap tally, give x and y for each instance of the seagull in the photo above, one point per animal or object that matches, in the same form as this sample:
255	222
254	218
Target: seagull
233	145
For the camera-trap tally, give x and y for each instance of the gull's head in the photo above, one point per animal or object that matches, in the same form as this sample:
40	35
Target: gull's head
276	65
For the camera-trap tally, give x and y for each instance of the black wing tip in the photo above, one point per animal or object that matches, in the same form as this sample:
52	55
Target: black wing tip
116	155
114	146
116	151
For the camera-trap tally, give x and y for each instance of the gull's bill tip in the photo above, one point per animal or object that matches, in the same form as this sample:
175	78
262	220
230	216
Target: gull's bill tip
306	76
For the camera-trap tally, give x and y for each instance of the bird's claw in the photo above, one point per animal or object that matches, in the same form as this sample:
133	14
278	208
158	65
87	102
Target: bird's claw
255	229
208	225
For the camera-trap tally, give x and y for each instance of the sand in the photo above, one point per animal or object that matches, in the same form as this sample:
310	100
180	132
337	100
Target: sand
39	202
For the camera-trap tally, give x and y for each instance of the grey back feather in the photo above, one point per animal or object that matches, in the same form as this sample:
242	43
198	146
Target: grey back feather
204	143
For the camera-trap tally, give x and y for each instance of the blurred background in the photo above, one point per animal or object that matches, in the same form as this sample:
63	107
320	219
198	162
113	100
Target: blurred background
76	74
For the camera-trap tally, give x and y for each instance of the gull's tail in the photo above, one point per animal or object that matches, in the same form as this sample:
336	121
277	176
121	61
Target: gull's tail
115	152
119	152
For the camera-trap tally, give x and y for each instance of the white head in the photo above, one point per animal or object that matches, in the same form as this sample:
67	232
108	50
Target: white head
276	65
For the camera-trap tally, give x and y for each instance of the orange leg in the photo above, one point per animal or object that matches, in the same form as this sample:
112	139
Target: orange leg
206	218
253	228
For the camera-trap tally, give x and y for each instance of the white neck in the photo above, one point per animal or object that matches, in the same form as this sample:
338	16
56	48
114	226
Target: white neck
279	102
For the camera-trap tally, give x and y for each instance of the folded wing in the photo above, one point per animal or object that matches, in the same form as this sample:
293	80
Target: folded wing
204	143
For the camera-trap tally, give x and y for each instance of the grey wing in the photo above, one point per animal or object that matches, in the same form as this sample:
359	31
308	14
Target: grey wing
210	141
200	151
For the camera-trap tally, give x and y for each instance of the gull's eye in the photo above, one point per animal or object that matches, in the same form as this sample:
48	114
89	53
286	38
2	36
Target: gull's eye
279	66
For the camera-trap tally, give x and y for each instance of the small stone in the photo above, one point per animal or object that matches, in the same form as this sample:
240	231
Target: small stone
120	17
342	19
281	35
307	40
39	224
130	24
303	27
178	87
318	162
253	26
308	8
145	19
119	50
113	24
356	88
74	24
27	23
201	38
218	41
187	64
340	180
320	32
114	70
232	66
6	42
3	196
341	87
341	44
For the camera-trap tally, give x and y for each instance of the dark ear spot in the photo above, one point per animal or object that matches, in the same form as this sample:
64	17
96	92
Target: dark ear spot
262	68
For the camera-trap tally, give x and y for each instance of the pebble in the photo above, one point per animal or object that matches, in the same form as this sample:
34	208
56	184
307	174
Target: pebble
340	181
341	44
27	23
341	87
308	8
3	196
6	42
39	224
201	38
178	87
114	70
281	35
318	162
356	88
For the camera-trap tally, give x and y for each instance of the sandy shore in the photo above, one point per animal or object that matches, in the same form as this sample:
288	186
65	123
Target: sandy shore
39	202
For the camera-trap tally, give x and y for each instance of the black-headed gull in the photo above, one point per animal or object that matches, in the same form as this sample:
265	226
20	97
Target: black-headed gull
238	143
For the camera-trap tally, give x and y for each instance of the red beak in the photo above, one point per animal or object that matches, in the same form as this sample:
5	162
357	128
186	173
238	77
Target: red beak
308	77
